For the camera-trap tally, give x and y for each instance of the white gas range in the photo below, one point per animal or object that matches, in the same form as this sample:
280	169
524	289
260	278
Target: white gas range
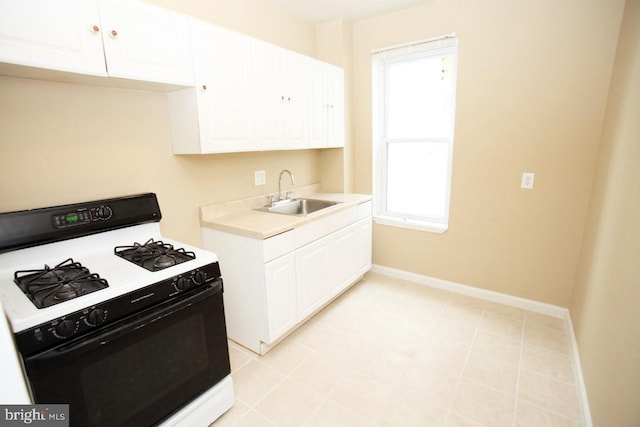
95	294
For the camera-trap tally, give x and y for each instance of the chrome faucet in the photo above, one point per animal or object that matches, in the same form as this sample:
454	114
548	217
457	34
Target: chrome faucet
280	182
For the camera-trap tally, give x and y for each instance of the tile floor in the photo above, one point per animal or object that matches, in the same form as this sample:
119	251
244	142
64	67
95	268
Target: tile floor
394	353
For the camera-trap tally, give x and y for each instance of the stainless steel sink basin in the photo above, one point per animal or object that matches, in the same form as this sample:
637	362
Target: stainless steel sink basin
298	207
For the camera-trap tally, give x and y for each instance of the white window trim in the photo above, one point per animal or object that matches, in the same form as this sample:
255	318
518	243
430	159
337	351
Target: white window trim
411	224
380	215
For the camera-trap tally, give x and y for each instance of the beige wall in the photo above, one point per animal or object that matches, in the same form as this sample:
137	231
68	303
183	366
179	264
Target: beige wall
604	307
63	143
532	85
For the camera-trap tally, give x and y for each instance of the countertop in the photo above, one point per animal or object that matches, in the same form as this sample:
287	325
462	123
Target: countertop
240	218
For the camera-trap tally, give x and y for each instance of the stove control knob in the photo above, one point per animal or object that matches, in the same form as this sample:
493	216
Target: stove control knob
104	212
200	277
96	317
182	284
66	328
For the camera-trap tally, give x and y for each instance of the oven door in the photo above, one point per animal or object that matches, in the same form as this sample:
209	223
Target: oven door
140	370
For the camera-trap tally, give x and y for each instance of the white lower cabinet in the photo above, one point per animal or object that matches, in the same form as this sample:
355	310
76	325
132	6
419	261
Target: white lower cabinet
280	290
313	270
345	268
271	286
330	265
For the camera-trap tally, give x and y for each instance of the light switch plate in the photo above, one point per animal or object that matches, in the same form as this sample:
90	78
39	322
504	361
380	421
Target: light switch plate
260	178
527	180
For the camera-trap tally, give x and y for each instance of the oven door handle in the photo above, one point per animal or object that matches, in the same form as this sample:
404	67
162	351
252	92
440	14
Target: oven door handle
125	326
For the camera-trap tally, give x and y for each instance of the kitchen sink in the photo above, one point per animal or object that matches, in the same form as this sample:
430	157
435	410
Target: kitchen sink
298	207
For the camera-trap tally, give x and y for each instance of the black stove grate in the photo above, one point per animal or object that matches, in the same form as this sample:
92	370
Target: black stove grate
154	255
49	286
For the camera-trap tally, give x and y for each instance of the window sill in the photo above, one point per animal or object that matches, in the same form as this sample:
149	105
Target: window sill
412	224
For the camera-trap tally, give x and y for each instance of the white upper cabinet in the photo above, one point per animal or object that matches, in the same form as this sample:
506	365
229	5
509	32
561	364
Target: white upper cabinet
335	106
251	95
60	35
280	81
146	43
216	115
318	103
136	40
326	105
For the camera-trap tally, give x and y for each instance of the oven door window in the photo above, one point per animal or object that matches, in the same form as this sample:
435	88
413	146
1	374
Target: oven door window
140	370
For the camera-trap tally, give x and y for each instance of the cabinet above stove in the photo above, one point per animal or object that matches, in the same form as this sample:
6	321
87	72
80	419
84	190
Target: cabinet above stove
101	42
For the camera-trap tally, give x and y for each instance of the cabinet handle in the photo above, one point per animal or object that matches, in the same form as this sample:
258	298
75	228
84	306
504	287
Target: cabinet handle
282	98
289	99
114	34
95	29
204	87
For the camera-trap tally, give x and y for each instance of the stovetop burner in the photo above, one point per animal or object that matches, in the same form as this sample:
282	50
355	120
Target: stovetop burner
154	255
49	286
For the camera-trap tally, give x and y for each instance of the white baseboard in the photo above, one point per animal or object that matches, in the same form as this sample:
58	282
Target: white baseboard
497	297
583	399
525	304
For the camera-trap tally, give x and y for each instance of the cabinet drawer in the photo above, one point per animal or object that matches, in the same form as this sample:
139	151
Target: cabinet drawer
321	227
278	245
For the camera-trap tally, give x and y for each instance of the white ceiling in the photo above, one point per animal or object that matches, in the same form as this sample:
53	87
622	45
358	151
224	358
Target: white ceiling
350	10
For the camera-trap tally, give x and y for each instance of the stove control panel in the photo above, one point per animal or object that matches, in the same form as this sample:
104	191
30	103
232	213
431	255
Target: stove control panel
82	216
105	314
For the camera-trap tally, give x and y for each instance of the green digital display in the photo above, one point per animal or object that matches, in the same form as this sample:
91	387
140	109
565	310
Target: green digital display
72	218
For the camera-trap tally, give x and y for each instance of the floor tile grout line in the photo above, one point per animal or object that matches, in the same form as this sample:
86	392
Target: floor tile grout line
550	377
515	407
466	418
551	411
253	407
288	377
326	397
492	388
285	377
464	366
549	349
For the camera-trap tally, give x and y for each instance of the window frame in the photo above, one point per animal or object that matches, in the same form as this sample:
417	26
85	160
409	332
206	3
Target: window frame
380	64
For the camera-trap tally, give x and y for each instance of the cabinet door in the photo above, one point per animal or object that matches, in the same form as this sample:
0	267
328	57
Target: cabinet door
345	253
281	92
225	107
313	272
326	105
60	35
280	283
318	105
269	94
146	43
335	107
296	93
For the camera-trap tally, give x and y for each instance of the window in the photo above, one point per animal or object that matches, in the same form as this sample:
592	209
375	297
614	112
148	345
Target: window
414	91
